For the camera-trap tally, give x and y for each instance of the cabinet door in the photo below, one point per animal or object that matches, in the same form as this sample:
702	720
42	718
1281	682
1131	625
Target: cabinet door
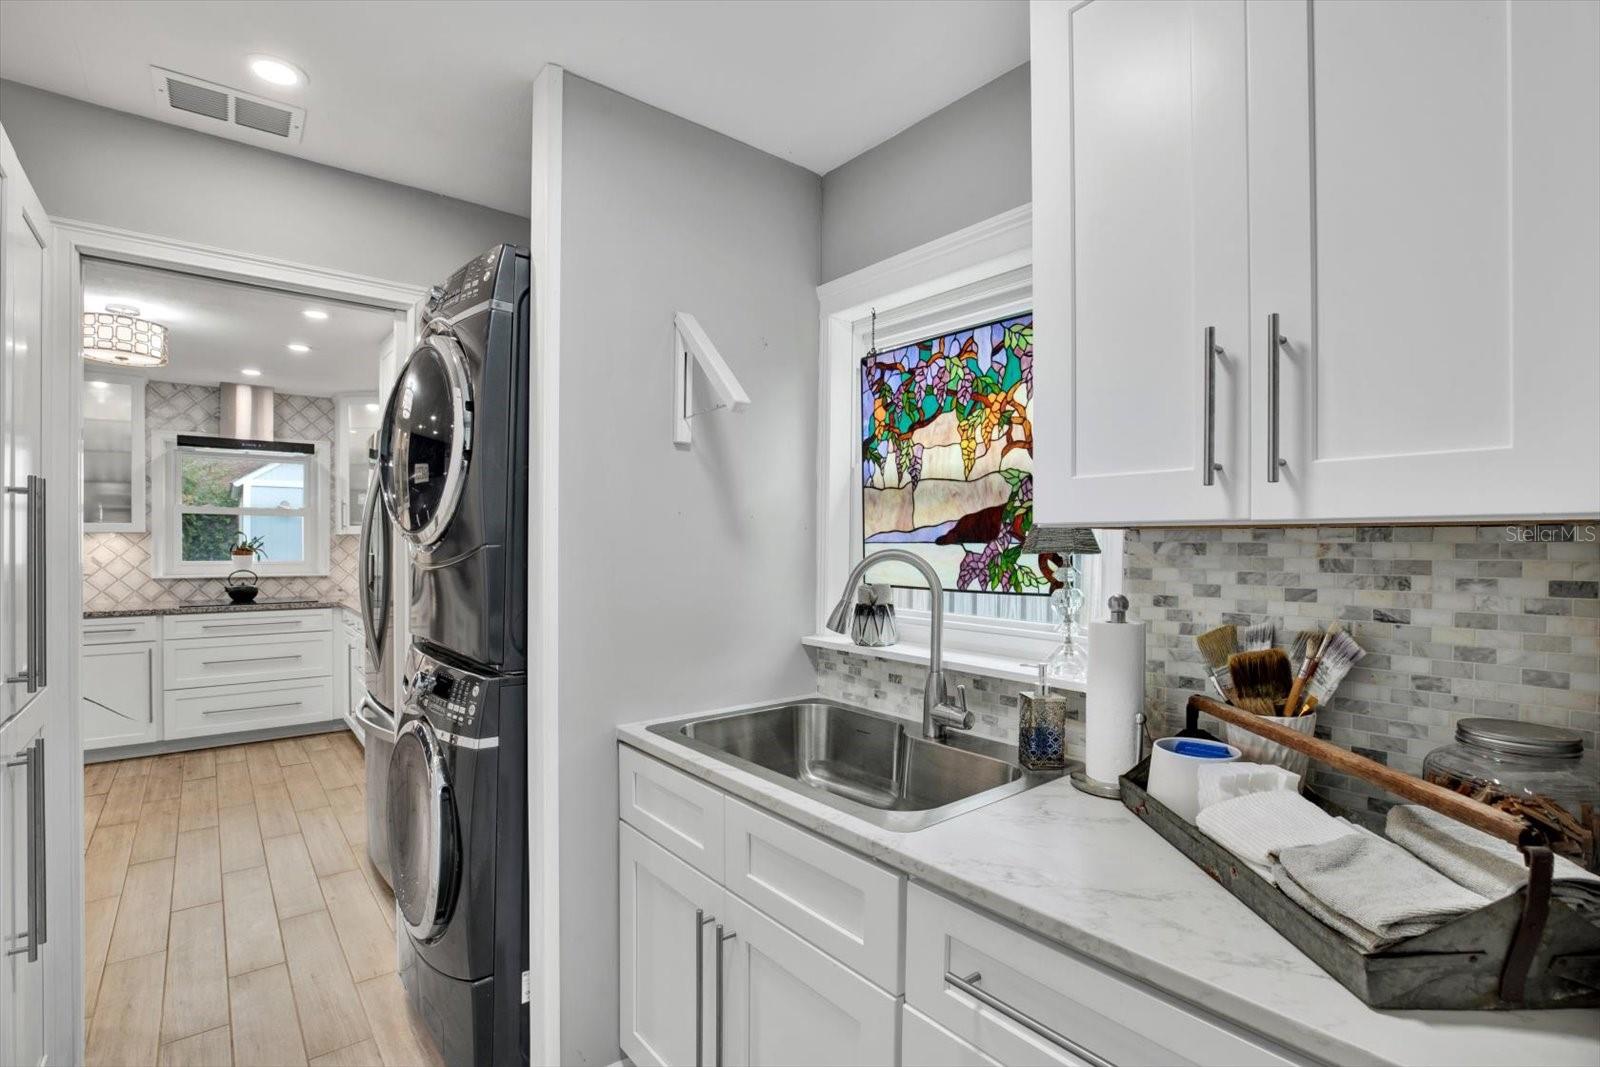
924	1043
668	916
22	965
1423	221
119	695
113	452
787	1002
1140	245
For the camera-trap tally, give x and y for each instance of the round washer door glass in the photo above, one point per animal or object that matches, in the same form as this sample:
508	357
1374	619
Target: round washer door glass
424	442
424	841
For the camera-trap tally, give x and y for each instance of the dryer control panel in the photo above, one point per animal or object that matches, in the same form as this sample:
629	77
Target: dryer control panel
472	285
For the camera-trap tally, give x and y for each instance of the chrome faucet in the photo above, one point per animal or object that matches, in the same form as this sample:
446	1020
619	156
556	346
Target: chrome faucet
938	714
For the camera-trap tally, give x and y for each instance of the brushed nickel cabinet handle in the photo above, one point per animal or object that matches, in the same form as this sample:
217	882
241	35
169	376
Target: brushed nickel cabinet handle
1276	342
701	921
33	674
1208	460
969	986
33	759
722	938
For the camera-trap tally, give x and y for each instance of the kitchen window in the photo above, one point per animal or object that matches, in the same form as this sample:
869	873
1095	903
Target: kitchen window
926	445
211	493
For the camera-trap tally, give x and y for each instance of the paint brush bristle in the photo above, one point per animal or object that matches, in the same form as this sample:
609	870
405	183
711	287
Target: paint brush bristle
1262	635
1260	675
1217	645
1339	653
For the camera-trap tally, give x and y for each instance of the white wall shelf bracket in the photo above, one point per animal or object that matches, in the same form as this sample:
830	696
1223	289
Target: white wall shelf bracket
691	346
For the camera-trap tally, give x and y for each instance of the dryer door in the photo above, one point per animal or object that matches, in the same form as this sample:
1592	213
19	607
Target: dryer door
424	837
425	440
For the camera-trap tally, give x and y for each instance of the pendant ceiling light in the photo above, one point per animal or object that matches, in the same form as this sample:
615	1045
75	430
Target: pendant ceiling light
118	336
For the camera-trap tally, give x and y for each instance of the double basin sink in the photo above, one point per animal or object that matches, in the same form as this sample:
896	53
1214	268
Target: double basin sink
875	767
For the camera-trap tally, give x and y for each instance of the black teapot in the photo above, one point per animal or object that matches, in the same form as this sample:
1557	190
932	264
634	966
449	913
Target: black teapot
244	590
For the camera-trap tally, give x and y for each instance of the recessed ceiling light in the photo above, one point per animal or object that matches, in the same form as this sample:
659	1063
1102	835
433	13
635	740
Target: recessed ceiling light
316	314
298	347
276	71
99	385
372	407
249	372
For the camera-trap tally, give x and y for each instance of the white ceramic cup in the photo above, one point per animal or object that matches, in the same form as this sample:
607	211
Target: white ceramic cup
1174	767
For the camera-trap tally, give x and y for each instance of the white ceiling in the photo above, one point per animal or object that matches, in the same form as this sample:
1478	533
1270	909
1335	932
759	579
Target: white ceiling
436	95
217	328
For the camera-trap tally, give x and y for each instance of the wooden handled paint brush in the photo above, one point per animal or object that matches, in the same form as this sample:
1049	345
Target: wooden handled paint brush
1216	646
1308	667
1338	654
1261	678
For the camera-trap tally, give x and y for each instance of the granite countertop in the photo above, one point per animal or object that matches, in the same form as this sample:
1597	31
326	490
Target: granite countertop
211	607
1086	873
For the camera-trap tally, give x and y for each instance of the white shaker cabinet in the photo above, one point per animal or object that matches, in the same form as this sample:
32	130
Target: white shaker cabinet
120	692
1405	190
1428	234
1140	271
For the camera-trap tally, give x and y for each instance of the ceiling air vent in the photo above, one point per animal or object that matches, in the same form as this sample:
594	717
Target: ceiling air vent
218	109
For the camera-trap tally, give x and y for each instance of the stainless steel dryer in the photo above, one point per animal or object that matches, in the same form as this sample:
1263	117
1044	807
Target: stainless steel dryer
377	712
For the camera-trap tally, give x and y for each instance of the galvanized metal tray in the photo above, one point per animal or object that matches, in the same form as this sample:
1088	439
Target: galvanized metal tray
1503	956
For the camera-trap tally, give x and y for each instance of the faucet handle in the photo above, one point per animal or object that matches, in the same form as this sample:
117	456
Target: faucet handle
961	700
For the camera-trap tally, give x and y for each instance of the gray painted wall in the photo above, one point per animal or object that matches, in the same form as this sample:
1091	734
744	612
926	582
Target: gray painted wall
956	167
97	165
687	577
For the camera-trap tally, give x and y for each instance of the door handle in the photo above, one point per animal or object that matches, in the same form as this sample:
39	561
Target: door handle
722	938
33	758
701	921
33	675
1276	342
969	986
1208	461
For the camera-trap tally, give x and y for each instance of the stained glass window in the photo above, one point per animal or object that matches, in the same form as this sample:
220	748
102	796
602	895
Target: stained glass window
947	457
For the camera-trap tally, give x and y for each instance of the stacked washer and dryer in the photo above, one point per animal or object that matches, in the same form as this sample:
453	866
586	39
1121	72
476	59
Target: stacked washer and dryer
452	467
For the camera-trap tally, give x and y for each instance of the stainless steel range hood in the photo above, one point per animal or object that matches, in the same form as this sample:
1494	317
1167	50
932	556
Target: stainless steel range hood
246	412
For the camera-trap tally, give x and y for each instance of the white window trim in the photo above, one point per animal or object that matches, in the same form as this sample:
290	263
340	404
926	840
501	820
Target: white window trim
166	541
984	270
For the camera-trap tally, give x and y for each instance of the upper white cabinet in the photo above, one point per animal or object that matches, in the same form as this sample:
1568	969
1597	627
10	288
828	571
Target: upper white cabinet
113	452
1140	246
1415	211
358	420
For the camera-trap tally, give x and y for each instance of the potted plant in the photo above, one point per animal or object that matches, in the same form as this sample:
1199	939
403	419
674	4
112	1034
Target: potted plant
247	549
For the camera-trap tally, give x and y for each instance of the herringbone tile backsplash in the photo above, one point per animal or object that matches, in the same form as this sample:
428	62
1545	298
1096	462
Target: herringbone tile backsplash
116	566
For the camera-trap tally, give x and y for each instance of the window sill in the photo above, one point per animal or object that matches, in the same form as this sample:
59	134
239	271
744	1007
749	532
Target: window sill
1009	668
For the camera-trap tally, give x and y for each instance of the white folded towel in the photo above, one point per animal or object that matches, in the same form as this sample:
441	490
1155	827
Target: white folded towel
1257	826
1375	891
1216	782
1466	855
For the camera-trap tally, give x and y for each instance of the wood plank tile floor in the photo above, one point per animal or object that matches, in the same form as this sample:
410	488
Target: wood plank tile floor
232	916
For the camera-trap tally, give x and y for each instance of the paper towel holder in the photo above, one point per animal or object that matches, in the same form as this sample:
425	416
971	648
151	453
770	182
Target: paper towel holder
1080	779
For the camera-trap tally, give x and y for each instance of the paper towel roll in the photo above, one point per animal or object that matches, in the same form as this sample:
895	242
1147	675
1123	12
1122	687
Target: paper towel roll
1116	695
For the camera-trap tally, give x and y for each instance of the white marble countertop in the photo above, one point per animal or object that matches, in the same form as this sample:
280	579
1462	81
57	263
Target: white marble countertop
1086	873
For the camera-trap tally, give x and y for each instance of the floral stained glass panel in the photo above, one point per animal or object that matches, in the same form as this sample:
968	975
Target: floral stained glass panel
947	457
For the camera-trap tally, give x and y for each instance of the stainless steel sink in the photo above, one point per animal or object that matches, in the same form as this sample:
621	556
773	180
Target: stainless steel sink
859	761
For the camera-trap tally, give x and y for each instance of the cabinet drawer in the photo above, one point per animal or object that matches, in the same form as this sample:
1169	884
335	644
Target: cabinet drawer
117	631
231	660
845	905
1099	1016
227	708
924	1043
682	815
246	623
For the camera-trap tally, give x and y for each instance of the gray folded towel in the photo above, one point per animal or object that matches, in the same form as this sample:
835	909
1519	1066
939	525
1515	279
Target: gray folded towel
1465	855
1375	892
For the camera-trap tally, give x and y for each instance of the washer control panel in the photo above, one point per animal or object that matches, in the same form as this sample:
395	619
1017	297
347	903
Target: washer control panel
455	696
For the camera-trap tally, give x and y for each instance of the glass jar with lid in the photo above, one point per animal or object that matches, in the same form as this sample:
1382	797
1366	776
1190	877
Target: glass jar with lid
1530	769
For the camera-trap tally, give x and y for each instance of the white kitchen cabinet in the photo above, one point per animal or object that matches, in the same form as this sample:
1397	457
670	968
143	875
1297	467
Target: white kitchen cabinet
1417	206
1428	233
113	451
1140	261
924	1043
358	418
225	709
120	693
788	1002
668	915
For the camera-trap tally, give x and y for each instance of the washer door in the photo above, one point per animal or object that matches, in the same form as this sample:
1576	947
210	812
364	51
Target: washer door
425	440
424	838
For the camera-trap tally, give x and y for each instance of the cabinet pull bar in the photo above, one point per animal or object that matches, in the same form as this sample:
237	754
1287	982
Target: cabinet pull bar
701	920
1275	345
1208	461
255	625
721	939
255	707
969	986
33	759
33	674
248	659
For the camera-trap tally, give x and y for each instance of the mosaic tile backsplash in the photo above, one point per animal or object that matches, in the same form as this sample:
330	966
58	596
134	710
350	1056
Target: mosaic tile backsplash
116	566
1457	621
